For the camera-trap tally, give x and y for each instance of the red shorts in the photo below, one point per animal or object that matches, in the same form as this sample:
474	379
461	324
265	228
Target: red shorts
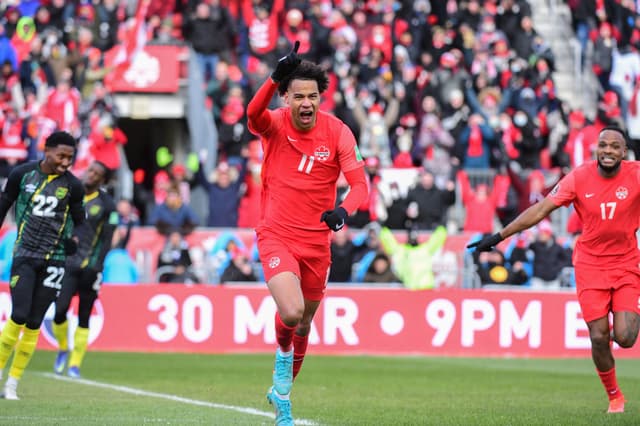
310	262
601	291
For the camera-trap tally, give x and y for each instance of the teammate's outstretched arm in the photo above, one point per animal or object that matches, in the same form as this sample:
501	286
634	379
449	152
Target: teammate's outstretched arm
525	220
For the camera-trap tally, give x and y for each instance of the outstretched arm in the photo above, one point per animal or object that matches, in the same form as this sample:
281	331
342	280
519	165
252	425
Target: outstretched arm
259	117
525	220
529	217
257	113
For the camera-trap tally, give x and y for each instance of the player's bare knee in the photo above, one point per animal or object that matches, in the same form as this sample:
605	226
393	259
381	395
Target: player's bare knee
626	338
291	315
599	339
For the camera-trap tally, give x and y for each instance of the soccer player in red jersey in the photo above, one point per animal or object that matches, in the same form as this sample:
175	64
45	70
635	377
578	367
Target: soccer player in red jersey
305	150
606	196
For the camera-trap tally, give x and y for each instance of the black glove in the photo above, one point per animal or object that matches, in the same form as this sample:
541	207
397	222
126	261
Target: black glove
287	64
487	243
70	246
334	218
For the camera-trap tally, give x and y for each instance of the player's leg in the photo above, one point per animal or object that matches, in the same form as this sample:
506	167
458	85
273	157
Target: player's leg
45	293
22	284
600	336
314	271
285	290
625	328
60	324
87	295
595	305
301	338
281	274
626	322
625	305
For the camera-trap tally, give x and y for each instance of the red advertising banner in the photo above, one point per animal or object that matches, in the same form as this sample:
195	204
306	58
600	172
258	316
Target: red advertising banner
452	322
154	69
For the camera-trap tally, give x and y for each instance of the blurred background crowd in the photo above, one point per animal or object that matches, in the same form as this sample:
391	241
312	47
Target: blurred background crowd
466	112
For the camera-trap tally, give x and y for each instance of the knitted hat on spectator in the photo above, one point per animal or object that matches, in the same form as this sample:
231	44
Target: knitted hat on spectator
408	120
448	60
376	109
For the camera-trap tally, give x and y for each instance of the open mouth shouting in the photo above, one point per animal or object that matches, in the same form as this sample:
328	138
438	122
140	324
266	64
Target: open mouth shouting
306	116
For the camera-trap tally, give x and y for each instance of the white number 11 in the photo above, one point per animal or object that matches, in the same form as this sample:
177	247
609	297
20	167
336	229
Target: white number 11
306	163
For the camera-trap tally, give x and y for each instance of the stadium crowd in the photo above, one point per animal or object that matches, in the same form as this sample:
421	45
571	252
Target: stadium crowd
459	94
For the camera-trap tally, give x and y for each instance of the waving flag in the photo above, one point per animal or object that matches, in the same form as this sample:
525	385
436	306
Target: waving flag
134	40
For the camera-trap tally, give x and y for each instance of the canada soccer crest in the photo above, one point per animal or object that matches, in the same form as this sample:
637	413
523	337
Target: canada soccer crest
322	153
143	71
274	262
622	193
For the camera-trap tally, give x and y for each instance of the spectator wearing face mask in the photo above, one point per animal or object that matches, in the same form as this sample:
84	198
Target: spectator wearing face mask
427	204
475	144
527	140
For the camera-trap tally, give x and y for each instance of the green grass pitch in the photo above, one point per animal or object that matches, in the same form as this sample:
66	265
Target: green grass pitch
190	389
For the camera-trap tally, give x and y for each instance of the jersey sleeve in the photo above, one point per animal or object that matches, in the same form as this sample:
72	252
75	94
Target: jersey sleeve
109	226
11	191
259	118
564	192
348	153
76	196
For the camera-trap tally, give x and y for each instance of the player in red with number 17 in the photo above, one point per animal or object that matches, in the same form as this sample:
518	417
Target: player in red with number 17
305	150
606	196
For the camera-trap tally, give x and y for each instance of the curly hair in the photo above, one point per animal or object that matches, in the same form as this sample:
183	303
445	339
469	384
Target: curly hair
307	70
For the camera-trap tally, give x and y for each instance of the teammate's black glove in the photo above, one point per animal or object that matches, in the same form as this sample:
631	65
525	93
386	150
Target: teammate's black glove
487	243
334	218
70	246
287	64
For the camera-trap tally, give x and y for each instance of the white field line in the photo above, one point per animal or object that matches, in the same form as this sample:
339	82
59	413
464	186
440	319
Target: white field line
176	398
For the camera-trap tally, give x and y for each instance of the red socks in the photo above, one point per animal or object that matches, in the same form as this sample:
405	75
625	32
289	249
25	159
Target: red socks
610	383
284	334
299	350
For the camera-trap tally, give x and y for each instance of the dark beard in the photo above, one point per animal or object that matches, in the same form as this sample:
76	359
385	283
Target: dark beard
609	169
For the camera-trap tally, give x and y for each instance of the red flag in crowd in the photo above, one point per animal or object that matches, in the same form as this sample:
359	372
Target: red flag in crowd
133	42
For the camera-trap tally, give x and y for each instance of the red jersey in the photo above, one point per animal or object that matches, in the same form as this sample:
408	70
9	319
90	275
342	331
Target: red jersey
300	171
608	209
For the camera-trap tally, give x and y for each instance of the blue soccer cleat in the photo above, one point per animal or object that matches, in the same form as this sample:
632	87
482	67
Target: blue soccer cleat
61	362
283	372
282	405
74	372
